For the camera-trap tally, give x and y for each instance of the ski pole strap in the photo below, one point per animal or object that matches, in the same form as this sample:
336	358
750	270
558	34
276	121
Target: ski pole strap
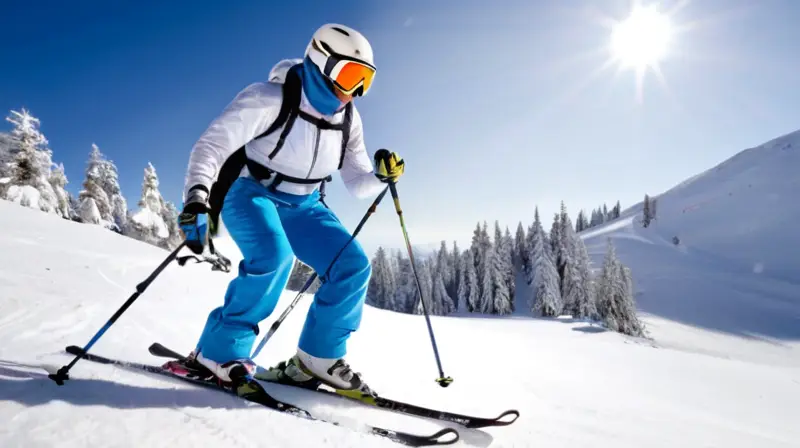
217	261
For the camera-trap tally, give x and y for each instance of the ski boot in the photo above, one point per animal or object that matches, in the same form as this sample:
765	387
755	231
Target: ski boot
309	372
189	367
230	375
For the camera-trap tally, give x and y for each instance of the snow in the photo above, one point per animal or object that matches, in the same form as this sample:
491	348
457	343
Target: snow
26	195
722	368
148	219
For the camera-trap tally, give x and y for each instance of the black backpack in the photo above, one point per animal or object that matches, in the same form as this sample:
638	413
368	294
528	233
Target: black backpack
290	110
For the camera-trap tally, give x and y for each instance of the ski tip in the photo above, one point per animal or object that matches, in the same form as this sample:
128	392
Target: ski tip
441	437
499	420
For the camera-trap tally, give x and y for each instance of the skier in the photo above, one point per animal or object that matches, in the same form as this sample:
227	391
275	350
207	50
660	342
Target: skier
273	207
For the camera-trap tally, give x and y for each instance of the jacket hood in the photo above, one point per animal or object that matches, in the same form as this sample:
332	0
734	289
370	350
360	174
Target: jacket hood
279	70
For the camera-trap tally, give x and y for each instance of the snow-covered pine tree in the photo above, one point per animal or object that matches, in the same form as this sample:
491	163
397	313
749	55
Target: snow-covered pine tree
109	182
511	271
595	219
7	148
576	283
456	263
468	288
58	180
444	264
616	211
394	270
74	207
441	302
527	262
391	287
93	192
566	256
501	296
88	212
147	224
481	243
520	247
646	213
484	271
534	231
606	216
616	306
7	152
475	247
169	213
27	140
28	183
545	287
425	268
405	293
380	292
556	244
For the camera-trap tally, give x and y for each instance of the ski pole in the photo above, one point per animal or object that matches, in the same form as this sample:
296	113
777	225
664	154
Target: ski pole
313	276
442	380
60	376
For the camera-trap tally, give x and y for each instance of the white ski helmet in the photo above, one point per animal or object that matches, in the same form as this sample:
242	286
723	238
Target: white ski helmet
344	56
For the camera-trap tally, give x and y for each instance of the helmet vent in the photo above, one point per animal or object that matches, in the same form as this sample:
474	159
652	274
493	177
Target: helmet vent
327	47
341	30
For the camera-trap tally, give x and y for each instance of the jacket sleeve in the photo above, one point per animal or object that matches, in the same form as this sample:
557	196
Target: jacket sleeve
250	112
357	171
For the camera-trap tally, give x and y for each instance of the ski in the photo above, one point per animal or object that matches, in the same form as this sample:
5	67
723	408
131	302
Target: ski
389	404
252	391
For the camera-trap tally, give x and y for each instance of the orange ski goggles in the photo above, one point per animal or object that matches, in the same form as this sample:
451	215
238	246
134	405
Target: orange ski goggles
349	75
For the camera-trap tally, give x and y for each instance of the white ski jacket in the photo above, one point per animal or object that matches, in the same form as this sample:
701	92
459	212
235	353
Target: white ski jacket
307	153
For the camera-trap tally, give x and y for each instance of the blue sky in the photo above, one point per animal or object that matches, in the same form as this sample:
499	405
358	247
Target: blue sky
496	106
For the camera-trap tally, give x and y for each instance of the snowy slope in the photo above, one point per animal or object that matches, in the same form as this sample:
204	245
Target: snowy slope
737	267
573	384
742	213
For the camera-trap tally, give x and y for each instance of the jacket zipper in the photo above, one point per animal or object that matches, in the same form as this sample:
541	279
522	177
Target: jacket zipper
316	151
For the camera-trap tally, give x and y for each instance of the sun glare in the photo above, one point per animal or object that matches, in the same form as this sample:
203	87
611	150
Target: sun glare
641	40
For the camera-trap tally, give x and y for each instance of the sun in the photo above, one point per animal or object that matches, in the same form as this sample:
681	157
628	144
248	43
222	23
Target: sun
642	40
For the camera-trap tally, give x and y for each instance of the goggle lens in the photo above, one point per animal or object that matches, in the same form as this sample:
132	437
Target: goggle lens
352	75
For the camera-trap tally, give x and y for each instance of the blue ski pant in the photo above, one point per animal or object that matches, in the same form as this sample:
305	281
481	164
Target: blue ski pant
270	228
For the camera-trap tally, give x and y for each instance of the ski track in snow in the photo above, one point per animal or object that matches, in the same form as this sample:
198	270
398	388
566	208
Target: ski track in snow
111	282
722	366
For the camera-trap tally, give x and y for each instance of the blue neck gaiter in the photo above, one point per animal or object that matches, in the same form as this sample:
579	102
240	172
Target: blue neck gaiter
319	94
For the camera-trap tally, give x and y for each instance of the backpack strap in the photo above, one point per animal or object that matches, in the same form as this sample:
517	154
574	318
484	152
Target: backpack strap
232	167
228	173
348	121
288	112
344	127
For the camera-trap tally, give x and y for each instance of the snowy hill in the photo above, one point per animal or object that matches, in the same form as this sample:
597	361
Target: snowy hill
698	383
737	267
